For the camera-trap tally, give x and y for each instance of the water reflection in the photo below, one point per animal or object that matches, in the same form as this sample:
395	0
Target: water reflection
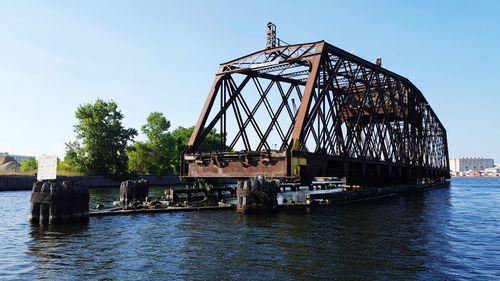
441	234
333	242
387	238
50	245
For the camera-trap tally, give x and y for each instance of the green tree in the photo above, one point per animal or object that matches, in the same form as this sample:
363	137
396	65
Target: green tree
64	168
139	158
181	138
155	155
28	165
101	140
161	153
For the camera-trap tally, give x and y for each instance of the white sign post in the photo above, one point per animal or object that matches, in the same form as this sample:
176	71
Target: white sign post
47	167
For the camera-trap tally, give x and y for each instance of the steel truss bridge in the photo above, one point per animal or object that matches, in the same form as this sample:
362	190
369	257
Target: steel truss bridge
302	111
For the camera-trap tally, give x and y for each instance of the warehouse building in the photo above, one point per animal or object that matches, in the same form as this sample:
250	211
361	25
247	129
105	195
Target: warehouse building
462	165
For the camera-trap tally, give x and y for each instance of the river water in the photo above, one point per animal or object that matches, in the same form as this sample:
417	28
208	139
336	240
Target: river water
440	234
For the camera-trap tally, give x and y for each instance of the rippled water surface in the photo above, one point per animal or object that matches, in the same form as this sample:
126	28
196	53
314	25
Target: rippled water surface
439	234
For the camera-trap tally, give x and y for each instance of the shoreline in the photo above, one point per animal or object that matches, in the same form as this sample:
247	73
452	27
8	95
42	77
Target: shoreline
22	183
489	177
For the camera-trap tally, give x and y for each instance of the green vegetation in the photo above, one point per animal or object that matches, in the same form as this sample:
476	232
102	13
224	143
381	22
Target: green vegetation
155	155
102	145
65	169
28	166
101	140
160	154
181	137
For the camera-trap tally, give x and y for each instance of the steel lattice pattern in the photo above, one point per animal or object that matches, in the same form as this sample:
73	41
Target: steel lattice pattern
349	111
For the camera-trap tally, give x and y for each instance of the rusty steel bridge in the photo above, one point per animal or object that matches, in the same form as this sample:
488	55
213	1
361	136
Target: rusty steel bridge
302	111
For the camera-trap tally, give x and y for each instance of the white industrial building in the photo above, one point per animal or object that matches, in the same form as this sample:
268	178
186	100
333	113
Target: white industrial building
492	171
462	165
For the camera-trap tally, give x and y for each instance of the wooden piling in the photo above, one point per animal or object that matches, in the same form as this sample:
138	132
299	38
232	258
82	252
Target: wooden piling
256	194
85	203
35	203
133	190
129	192
44	204
76	201
143	190
123	192
66	201
53	202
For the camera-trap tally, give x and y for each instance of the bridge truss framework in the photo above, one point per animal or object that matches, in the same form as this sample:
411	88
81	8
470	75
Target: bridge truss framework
354	119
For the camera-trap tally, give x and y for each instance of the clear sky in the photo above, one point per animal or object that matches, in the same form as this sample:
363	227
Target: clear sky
162	56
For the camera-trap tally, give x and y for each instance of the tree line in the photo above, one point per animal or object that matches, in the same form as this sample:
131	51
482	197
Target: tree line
103	146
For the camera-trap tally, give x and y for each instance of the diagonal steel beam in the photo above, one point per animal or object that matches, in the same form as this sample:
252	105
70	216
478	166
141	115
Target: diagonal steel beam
302	117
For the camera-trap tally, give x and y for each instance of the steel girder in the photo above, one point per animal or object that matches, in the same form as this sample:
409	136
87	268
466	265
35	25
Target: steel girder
355	120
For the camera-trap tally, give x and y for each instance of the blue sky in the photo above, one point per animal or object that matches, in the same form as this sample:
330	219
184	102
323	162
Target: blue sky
162	56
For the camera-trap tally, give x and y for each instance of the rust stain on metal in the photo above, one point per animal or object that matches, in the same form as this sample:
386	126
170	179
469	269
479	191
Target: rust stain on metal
355	119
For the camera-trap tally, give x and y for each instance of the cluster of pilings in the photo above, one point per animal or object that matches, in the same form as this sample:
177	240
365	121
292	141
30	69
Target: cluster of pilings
256	194
133	190
53	202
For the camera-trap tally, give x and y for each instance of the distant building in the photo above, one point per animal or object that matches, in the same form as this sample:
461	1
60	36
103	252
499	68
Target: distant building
18	158
462	165
495	170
